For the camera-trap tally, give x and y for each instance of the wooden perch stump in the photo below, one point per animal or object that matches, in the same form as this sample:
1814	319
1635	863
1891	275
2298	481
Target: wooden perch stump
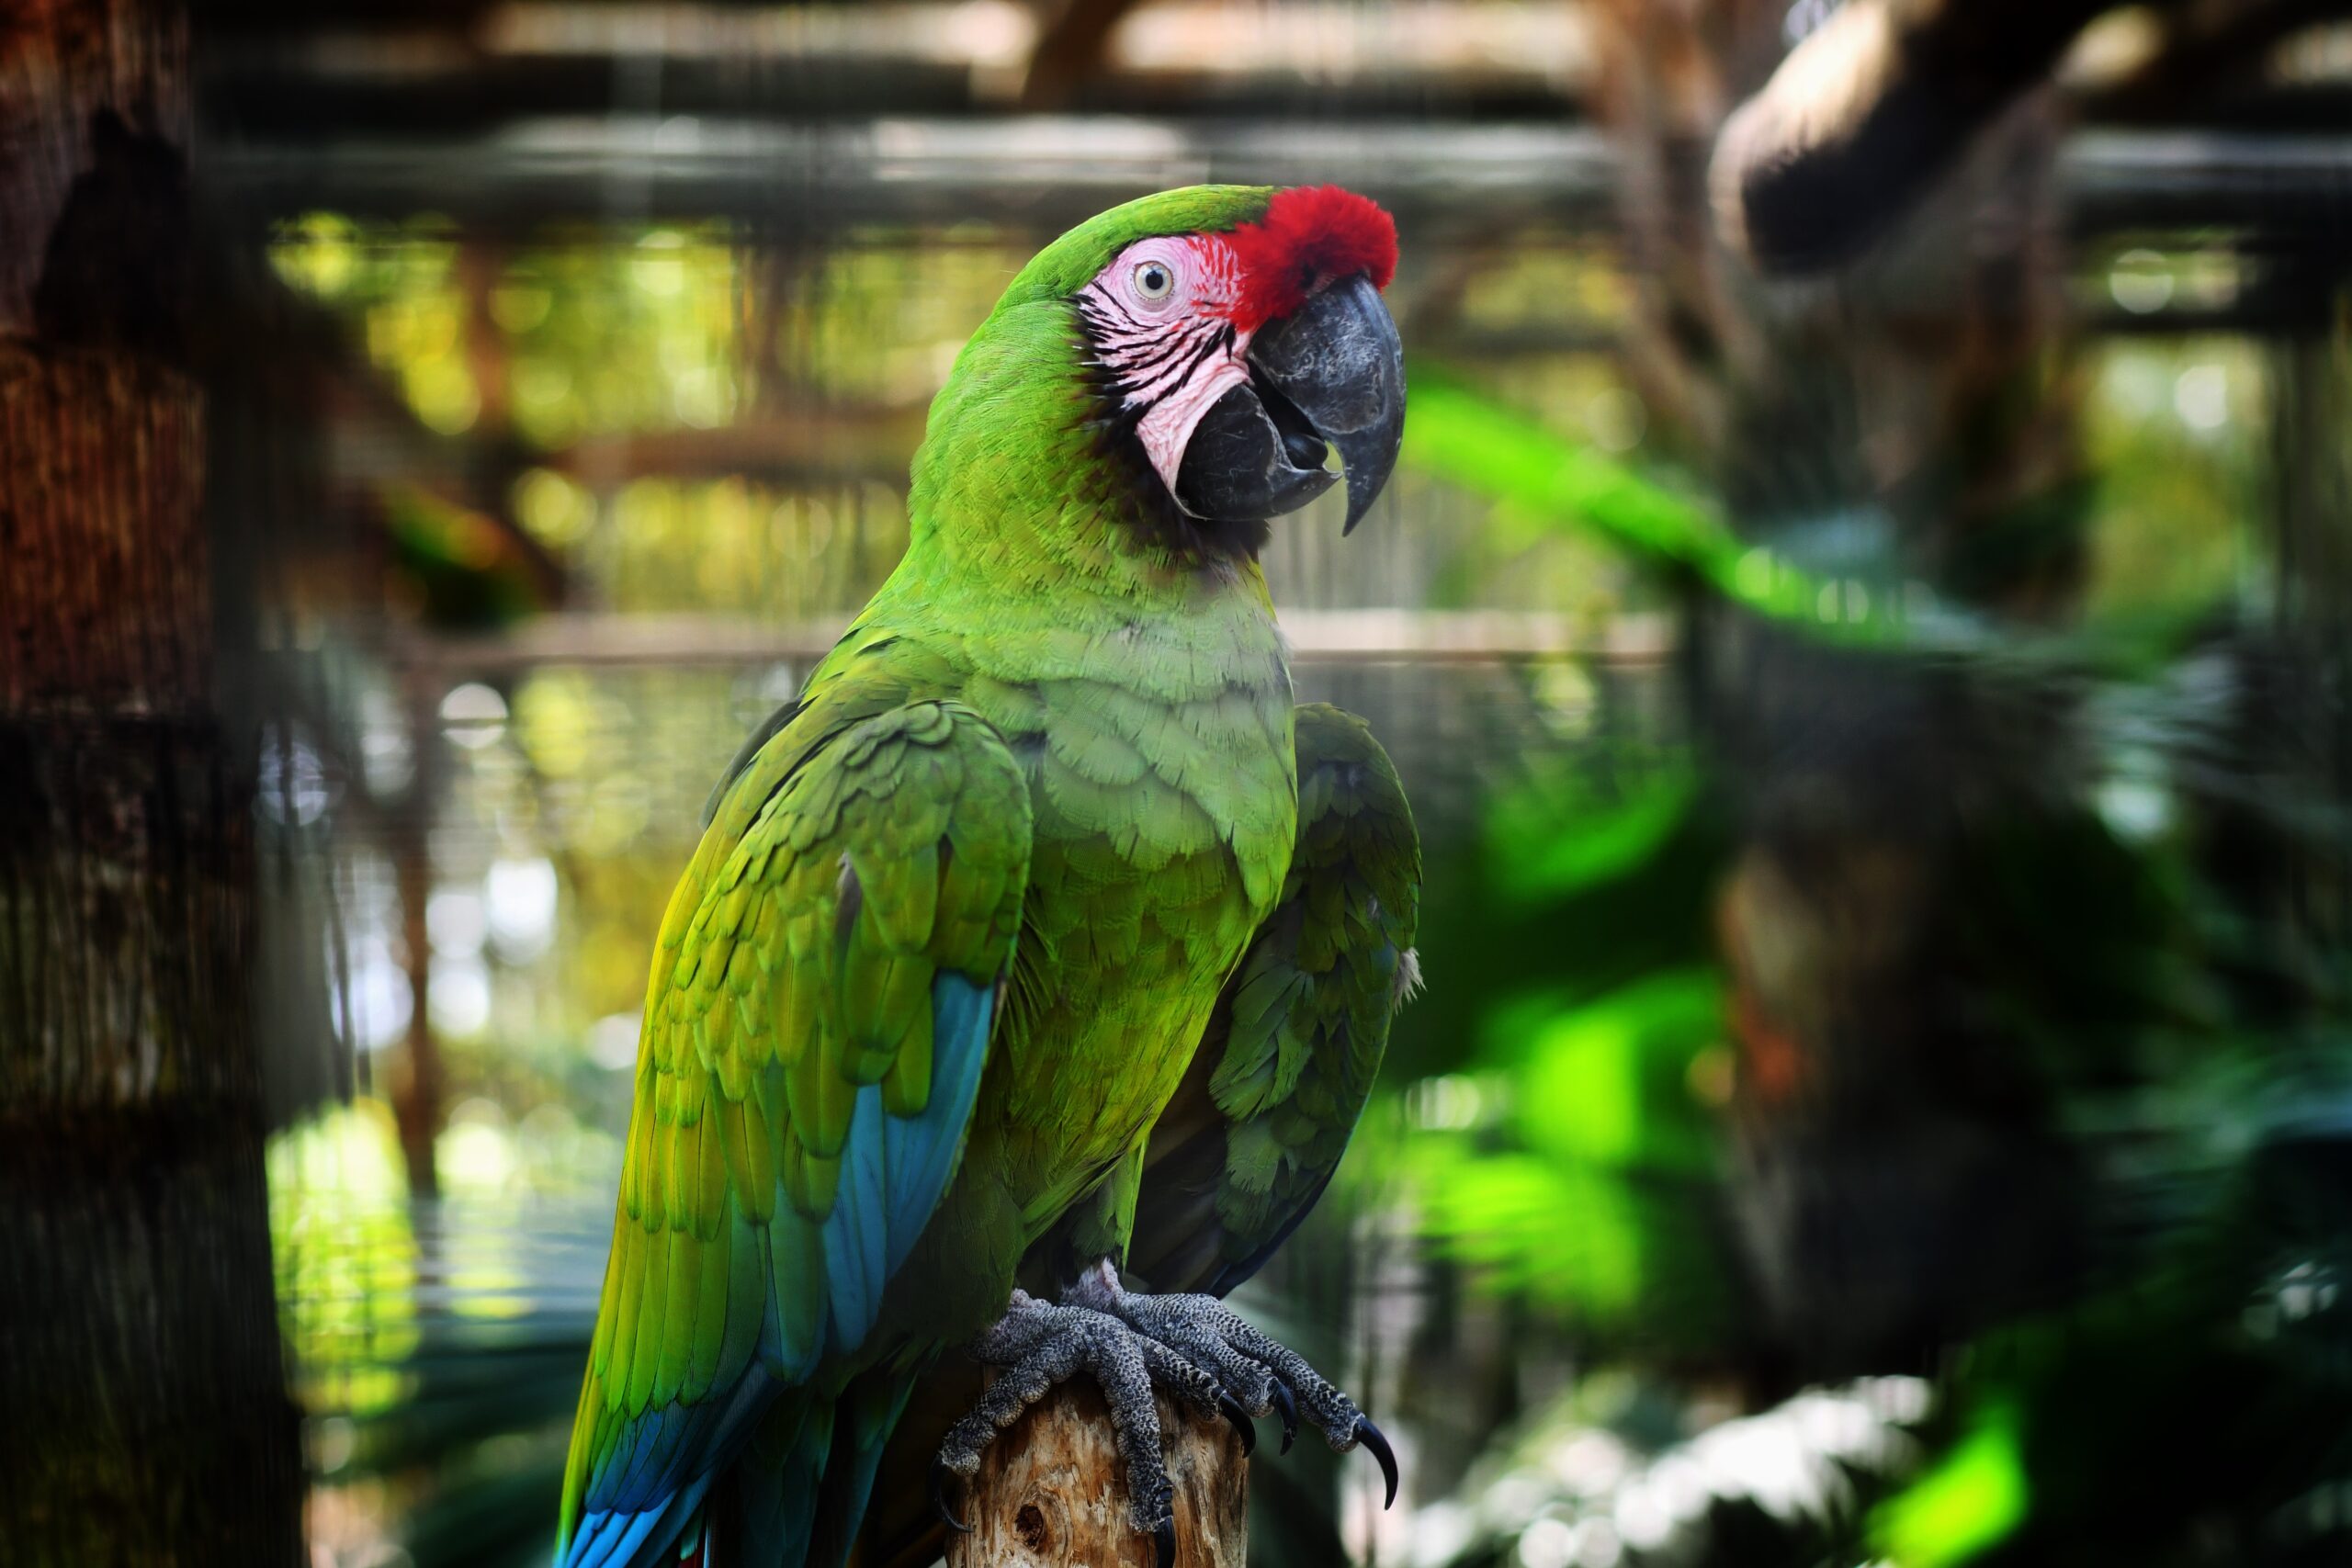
1052	1493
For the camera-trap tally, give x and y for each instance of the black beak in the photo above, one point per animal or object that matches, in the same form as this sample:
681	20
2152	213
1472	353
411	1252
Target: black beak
1333	371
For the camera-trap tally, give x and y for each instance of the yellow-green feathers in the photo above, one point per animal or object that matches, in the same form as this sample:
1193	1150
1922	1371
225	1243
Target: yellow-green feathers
815	1028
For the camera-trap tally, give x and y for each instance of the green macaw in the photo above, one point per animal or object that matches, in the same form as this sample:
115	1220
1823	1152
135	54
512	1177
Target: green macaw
1040	932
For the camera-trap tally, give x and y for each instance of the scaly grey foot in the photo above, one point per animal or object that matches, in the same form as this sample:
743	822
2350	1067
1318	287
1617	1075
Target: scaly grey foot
1037	1346
1194	1348
1252	1369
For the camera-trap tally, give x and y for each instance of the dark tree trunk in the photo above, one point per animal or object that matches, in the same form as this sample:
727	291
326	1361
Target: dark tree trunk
147	1417
1907	418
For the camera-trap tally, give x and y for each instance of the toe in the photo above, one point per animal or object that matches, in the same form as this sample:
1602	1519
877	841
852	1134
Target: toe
1163	1540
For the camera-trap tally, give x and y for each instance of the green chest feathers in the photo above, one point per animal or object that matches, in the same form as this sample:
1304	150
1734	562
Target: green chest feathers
1165	796
1160	753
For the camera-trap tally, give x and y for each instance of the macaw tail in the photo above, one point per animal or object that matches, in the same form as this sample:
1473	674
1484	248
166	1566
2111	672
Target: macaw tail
801	1488
765	1507
794	1495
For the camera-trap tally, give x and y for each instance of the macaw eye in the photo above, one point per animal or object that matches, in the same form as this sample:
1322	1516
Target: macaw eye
1154	281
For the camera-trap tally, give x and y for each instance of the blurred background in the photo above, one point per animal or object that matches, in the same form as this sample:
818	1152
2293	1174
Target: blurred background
1874	704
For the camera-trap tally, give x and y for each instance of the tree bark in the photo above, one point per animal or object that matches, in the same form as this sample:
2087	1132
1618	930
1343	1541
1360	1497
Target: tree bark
1894	1176
1052	1493
147	1420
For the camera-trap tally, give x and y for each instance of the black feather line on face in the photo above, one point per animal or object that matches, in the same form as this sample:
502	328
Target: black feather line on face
1136	497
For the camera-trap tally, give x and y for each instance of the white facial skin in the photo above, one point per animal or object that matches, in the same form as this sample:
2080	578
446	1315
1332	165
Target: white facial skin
1160	316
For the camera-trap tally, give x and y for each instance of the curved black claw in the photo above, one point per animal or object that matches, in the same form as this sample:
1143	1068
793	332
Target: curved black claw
1372	1436
946	1510
1163	1540
1239	1418
1288	1407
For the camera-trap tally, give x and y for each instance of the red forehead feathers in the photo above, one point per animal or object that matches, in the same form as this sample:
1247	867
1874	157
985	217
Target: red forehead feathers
1309	233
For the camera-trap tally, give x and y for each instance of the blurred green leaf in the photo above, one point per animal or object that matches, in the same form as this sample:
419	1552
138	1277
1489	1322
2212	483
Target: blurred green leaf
1569	1239
1966	1503
1474	440
1594	1202
1559	836
1603	1084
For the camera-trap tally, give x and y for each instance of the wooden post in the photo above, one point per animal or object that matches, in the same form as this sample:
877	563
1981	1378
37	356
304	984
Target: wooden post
1052	1493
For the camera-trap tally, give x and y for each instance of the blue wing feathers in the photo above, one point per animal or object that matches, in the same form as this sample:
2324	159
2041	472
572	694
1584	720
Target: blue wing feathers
615	1538
857	1231
920	1152
651	1448
894	1171
641	1523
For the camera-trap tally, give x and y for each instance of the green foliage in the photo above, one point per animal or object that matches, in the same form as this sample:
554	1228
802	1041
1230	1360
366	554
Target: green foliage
1580	1174
1967	1502
1586	1190
1607	1083
2174	435
346	1261
1474	440
1563	837
1470	438
2114	982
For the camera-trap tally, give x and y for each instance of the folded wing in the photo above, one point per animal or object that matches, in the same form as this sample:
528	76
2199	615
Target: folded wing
815	1028
1253	1134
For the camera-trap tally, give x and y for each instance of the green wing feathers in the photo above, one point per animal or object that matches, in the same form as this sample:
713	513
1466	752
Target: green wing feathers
818	1006
796	963
1266	1109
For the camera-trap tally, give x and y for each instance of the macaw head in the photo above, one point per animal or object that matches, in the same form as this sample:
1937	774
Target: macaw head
1226	338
